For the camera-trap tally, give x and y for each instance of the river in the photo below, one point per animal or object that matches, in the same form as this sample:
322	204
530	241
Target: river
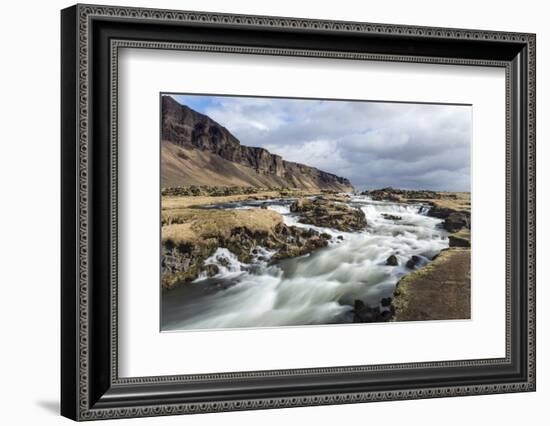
319	288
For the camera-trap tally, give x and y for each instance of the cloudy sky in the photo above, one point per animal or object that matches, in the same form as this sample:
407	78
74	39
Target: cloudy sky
374	144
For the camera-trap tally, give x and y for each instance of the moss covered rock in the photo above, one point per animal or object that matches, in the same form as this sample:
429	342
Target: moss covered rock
329	212
190	236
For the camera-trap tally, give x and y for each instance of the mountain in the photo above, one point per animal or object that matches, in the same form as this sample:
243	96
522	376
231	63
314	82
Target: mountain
196	150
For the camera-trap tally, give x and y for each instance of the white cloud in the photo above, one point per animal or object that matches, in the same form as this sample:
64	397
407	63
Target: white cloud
323	154
371	143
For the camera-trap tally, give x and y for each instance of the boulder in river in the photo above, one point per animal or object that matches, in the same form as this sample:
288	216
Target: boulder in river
384	194
386	301
391	216
301	205
181	261
327	213
456	221
392	260
396	194
459	240
212	270
294	241
366	313
440	212
413	262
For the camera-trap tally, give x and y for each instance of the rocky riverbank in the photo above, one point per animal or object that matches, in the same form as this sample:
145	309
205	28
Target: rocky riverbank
438	291
441	289
191	234
211	232
453	207
288	257
197	196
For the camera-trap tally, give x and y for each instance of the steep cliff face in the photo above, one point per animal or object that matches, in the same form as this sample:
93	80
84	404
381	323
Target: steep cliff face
221	157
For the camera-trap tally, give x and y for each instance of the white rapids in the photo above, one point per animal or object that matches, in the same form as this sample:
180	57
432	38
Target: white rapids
319	288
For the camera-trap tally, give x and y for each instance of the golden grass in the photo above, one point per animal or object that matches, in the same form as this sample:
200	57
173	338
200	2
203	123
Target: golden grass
177	202
463	234
448	201
461	203
197	226
437	291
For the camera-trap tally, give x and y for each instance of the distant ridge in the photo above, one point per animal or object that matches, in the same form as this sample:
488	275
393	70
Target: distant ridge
196	150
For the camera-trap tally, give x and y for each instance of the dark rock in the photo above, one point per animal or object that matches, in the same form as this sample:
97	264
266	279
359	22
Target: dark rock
358	305
263	206
456	241
332	196
207	190
440	212
394	194
386	301
385	316
222	260
329	214
293	241
283	230
340	237
392	260
184	262
308	233
211	270
391	216
364	313
413	262
385	194
456	221
301	205
181	262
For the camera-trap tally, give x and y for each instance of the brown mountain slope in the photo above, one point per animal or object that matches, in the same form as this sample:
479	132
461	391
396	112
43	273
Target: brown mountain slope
195	150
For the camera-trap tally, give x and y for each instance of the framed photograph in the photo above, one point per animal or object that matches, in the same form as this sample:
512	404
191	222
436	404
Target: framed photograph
263	212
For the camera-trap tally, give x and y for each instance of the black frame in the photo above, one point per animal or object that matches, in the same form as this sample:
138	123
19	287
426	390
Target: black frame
90	38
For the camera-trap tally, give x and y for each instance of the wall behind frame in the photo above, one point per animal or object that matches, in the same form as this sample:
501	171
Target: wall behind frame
29	218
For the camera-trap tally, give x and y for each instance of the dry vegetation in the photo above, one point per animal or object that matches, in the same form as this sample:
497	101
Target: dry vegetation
190	233
459	201
177	202
198	225
438	291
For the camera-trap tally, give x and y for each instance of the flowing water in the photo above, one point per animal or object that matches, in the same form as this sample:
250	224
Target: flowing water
319	288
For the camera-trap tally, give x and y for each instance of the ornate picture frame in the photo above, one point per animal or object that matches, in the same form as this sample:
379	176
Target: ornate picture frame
91	37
